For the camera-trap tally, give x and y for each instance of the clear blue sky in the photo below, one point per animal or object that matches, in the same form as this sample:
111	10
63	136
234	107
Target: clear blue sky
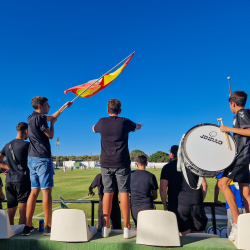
177	79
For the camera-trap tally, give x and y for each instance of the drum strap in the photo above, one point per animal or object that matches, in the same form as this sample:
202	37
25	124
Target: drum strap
181	167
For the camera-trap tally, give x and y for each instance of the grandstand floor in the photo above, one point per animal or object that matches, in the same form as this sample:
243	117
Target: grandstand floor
36	241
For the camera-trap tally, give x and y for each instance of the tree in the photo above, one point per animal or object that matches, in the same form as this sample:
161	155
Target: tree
135	153
159	156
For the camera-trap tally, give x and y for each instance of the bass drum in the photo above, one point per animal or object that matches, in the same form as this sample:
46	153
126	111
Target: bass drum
204	150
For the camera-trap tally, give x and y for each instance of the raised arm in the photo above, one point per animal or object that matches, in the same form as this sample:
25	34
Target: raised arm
163	193
67	104
239	131
138	126
49	132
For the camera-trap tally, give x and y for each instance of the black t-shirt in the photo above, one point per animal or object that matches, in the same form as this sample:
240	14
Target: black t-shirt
242	120
179	191
142	184
114	141
20	149
97	182
39	142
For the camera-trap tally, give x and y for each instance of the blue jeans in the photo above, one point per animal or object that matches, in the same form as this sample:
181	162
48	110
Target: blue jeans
41	172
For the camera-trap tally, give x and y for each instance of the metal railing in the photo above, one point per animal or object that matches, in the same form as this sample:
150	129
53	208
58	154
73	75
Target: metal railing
93	202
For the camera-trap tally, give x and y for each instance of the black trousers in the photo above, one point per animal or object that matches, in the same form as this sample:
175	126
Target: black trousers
135	210
115	215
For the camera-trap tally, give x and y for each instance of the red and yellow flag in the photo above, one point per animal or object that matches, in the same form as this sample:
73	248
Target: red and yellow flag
98	86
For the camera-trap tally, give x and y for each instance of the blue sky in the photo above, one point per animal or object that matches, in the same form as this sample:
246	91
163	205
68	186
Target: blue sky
177	79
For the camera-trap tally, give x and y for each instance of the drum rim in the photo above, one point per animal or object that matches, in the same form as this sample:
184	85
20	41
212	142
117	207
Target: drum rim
192	164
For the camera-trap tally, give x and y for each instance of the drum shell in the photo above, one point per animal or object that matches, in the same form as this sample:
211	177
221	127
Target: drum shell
194	168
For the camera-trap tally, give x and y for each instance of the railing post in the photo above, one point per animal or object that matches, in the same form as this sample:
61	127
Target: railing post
92	213
213	219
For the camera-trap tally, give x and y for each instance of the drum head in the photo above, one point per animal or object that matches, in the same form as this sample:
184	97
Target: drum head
205	147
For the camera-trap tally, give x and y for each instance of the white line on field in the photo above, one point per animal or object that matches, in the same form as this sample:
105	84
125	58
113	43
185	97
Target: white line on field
37	216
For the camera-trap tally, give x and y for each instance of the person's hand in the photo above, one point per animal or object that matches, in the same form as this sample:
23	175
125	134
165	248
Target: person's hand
165	208
6	172
68	104
2	197
224	129
91	193
139	125
53	120
218	202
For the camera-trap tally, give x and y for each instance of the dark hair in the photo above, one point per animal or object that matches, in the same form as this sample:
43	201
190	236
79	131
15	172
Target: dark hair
114	106
239	97
21	126
38	100
174	150
142	160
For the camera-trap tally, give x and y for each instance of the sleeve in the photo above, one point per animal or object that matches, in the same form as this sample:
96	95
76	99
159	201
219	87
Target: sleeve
131	126
94	184
164	174
155	184
43	122
3	151
244	118
97	127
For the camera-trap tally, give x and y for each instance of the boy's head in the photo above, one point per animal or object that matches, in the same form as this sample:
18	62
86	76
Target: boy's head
237	100
40	103
141	161
114	107
173	151
22	129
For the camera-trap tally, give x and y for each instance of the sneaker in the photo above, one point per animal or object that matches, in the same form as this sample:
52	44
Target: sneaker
47	230
27	230
105	232
129	233
233	233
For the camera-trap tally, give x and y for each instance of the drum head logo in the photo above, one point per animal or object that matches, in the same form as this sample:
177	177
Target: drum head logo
212	133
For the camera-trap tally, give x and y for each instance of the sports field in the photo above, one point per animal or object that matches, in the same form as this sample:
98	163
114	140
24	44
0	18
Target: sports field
73	185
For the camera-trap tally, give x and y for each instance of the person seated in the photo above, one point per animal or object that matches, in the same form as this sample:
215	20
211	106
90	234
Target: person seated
183	199
143	188
115	212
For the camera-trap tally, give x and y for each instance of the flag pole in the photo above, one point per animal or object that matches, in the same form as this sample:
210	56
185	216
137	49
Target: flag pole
96	82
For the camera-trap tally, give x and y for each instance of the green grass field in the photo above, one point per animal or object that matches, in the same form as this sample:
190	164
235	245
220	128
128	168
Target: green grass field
74	185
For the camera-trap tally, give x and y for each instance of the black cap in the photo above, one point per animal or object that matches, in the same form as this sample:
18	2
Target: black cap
174	149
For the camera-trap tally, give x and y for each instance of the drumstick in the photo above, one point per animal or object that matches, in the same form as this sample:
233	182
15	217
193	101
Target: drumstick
220	119
228	78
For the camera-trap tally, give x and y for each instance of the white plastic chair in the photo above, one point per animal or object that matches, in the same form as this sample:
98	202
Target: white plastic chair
243	236
7	230
71	225
157	228
204	235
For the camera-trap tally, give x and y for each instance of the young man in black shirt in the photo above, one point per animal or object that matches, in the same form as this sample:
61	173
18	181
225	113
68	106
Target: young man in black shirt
183	200
238	171
143	188
115	212
39	160
115	163
17	180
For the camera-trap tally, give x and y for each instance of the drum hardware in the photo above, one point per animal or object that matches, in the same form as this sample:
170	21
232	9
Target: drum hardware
220	119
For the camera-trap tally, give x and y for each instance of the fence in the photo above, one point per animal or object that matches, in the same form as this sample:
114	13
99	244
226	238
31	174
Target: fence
93	202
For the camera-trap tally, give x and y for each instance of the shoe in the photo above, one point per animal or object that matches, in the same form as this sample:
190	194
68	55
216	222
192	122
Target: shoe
105	232
233	233
129	233
47	231
27	230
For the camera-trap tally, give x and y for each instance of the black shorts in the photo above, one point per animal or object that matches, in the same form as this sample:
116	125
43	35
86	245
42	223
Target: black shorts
190	217
17	192
237	173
